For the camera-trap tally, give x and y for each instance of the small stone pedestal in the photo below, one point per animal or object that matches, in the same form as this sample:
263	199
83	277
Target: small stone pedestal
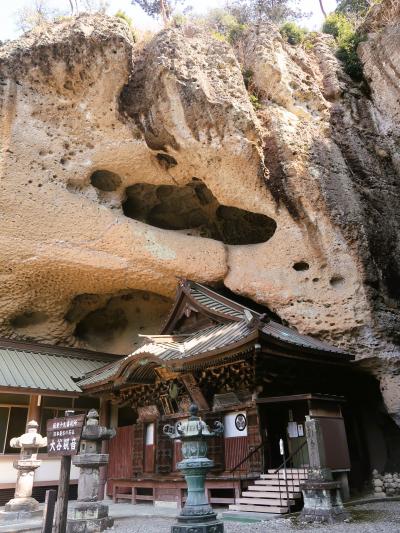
322	499
90	515
23	506
197	516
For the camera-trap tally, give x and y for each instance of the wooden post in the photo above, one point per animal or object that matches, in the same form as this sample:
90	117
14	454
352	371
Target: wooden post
48	515
104	421
63	490
34	409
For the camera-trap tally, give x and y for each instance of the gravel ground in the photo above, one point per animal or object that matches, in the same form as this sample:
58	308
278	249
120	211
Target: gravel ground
381	517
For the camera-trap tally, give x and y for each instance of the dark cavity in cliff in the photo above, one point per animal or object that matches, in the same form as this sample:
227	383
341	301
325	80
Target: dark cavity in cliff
193	210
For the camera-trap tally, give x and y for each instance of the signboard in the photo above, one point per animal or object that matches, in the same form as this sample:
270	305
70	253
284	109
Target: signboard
64	434
235	424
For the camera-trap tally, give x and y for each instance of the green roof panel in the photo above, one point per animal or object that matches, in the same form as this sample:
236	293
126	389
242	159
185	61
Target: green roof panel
24	369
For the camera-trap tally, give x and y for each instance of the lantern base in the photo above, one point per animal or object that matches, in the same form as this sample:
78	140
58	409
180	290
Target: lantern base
209	527
27	505
199	524
10	516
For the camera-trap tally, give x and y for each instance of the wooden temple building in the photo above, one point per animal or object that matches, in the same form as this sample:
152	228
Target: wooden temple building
39	382
260	378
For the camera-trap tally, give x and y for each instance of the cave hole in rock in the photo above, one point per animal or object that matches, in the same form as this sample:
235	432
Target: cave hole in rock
301	266
105	180
28	319
166	161
337	281
192	209
111	323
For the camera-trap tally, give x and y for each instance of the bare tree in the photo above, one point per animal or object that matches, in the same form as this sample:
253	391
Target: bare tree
36	14
322	8
260	11
159	8
74	7
92	6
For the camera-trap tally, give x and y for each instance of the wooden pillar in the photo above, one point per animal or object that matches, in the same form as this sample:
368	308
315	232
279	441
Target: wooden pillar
60	523
34	410
104	420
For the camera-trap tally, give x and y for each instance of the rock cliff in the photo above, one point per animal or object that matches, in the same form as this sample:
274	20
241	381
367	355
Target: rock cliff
126	165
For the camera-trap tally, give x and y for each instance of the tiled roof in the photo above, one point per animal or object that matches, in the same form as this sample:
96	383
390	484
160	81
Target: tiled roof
205	299
289	335
41	370
175	347
103	374
204	341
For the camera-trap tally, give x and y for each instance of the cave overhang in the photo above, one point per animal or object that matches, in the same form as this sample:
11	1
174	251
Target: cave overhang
233	331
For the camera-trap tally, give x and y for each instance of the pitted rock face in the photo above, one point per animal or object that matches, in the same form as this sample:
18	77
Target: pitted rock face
103	138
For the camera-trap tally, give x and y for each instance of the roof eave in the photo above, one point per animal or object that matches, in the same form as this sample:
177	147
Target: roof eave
307	352
172	363
5	389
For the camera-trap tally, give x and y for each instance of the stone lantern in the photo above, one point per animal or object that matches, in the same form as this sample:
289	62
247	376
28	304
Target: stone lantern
321	494
197	514
23	505
90	515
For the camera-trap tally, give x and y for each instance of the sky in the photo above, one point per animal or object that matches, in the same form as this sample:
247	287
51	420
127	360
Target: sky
8	9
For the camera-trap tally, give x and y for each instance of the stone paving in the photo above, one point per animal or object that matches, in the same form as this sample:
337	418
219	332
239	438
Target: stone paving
380	517
377	517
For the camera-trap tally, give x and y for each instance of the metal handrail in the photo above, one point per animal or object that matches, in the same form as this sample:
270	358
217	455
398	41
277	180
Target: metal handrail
235	468
283	467
247	457
290	457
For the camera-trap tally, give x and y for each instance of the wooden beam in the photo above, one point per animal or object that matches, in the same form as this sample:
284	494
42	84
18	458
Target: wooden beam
195	392
301	397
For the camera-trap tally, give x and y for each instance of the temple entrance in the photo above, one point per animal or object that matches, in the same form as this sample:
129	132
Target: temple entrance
283	417
284	421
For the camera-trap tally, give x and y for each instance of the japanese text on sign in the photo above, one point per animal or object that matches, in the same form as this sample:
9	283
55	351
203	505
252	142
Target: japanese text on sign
63	435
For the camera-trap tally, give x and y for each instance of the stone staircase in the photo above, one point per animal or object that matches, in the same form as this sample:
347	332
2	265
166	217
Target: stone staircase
269	493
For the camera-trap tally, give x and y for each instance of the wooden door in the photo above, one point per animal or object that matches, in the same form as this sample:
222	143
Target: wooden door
296	437
121	454
164	450
254	438
138	448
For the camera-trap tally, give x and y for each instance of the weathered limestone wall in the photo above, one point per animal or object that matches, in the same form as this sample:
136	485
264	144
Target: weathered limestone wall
172	125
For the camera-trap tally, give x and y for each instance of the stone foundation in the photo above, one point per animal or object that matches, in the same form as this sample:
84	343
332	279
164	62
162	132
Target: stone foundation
322	502
90	525
11	516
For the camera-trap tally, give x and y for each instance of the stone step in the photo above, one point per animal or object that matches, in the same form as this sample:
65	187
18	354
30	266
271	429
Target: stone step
291	470
263	494
272	488
258	508
277	483
265	501
281	475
